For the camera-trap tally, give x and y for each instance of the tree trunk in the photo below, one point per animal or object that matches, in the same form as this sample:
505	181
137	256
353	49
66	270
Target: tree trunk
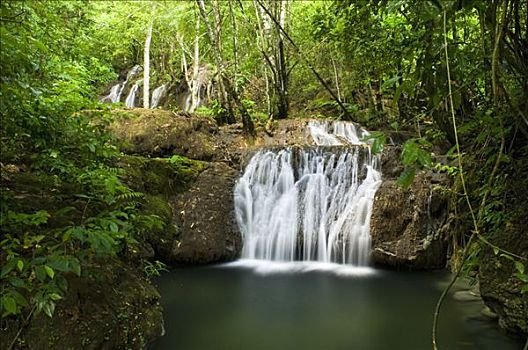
195	84
146	69
227	116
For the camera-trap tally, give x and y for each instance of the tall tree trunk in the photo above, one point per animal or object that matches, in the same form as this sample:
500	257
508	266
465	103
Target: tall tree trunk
195	84
336	78
228	116
146	68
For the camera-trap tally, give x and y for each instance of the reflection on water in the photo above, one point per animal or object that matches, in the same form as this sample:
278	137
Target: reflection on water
252	306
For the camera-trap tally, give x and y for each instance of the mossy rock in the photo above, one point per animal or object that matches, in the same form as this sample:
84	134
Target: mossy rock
165	133
110	307
160	238
159	175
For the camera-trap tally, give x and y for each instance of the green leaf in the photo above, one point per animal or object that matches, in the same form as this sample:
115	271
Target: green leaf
113	227
59	263
76	267
49	271
520	267
55	296
17	282
9	305
522	277
20	265
11	263
49	308
407	177
40	273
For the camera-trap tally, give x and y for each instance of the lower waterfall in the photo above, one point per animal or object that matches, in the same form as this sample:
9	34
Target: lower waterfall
310	203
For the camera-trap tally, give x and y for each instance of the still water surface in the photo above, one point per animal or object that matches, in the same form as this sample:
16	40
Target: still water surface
269	306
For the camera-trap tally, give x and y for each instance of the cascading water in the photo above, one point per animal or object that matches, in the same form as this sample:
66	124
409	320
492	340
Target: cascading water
310	204
117	90
130	101
157	95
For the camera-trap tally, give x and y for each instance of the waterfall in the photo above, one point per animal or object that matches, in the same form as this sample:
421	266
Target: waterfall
114	95
117	90
312	203
130	101
157	95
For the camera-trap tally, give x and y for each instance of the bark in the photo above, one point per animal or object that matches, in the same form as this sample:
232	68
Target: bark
146	68
195	84
214	34
346	114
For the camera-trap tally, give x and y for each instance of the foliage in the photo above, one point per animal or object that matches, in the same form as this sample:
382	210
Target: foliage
49	76
154	269
385	60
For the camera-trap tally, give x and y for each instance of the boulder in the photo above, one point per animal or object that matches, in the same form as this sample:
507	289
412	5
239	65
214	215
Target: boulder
500	288
205	215
161	133
112	306
408	224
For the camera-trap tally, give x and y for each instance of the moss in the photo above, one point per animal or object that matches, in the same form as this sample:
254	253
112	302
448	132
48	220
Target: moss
160	175
157	205
164	133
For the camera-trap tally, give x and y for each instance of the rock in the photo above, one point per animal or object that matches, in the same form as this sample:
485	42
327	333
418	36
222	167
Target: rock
499	287
205	214
159	176
408	225
486	312
465	295
161	133
112	307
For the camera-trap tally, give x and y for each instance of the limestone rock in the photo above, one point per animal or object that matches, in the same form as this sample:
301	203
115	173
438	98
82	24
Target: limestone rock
204	213
499	287
407	225
161	133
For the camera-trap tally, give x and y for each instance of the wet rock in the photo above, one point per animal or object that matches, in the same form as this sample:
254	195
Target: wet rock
466	295
500	288
205	215
486	312
408	225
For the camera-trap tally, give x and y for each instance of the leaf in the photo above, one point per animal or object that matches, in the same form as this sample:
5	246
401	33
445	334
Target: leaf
55	296
76	267
8	267
9	305
520	267
407	177
40	273
113	227
49	308
20	265
17	282
49	271
59	263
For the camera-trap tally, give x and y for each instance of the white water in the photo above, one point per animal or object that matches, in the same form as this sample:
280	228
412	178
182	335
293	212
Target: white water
117	90
311	204
114	95
157	95
130	101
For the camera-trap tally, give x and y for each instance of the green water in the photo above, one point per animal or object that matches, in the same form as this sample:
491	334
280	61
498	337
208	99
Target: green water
235	307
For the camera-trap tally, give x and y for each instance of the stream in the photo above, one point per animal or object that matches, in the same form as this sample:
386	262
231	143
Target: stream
287	306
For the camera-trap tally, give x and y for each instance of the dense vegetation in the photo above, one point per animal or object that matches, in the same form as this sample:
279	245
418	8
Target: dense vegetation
451	76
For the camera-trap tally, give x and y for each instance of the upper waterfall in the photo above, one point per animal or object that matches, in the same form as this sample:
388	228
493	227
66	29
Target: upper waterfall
311	203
